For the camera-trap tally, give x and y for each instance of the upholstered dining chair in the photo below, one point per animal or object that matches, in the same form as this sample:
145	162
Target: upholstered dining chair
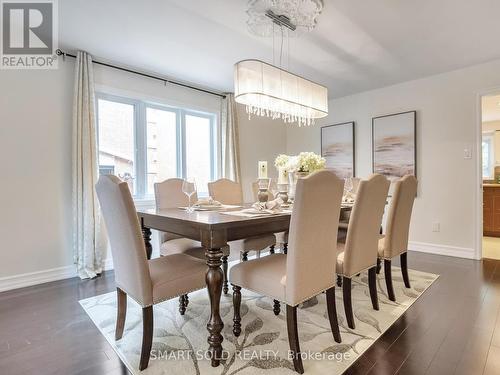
395	241
168	194
359	252
229	192
147	282
307	269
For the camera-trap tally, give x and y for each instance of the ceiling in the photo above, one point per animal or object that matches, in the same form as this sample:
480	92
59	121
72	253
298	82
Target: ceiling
490	108
358	45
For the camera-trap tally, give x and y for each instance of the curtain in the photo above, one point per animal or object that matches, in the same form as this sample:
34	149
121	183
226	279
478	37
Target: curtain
230	149
88	242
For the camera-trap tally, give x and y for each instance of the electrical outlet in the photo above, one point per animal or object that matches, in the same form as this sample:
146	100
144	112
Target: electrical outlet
436	227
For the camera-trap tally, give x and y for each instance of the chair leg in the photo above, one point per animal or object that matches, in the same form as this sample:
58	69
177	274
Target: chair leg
186	300
372	283
225	287
236	307
182	304
121	313
147	336
285	248
339	281
404	269
244	256
293	337
346	291
379	265
332	313
271	249
276	307
388	280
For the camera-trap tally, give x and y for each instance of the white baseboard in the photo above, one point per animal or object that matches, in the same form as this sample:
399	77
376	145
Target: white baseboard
431	248
41	277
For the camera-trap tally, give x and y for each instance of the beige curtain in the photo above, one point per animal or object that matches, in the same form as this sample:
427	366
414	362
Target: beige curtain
88	238
230	149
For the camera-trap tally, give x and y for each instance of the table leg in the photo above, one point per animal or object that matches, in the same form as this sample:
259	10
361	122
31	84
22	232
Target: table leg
214	279
146	235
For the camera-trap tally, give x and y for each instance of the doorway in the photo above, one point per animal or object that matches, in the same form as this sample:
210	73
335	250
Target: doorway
490	172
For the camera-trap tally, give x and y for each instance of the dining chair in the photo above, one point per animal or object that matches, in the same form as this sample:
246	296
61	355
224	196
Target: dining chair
359	252
307	269
168	194
395	241
229	192
148	282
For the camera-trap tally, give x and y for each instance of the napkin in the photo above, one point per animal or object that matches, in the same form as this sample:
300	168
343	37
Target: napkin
272	206
208	202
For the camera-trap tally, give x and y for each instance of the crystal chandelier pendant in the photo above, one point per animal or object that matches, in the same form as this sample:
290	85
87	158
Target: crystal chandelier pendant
268	90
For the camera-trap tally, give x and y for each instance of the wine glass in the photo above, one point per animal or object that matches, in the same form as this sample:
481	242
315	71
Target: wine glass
189	188
273	189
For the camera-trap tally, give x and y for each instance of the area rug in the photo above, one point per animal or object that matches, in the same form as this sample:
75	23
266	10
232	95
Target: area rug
180	342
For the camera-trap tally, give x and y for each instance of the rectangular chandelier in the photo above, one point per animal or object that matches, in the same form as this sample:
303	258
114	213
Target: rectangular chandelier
267	90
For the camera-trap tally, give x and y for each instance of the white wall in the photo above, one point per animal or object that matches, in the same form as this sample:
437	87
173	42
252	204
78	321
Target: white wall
447	118
261	138
35	149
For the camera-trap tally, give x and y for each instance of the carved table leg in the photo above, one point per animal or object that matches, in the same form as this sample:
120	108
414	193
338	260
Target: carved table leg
214	279
146	235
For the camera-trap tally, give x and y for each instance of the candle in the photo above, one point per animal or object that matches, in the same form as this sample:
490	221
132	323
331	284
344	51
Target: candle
262	169
283	176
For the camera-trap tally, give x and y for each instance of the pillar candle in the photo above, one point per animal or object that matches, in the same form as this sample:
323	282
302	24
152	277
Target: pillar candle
262	169
283	176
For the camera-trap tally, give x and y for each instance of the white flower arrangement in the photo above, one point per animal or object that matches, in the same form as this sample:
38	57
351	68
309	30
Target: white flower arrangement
303	162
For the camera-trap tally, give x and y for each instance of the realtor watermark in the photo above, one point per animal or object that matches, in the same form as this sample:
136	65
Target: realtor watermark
248	355
28	34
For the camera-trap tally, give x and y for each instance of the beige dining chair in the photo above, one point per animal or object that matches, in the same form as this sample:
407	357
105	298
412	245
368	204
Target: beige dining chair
307	269
168	194
147	282
229	192
395	241
359	252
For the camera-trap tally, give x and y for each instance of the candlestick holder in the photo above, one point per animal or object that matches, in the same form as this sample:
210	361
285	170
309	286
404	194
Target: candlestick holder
263	194
283	192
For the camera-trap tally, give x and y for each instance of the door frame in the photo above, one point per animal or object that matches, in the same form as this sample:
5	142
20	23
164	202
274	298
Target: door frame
478	136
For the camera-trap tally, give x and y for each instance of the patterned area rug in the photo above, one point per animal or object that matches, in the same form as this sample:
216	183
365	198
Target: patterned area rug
179	342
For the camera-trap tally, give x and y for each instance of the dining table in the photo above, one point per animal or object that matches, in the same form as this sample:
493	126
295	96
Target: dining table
213	228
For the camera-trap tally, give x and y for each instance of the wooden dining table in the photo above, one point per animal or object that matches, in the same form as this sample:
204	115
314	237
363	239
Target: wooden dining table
213	229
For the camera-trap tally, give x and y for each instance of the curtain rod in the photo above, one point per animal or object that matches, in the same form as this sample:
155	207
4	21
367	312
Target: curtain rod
59	52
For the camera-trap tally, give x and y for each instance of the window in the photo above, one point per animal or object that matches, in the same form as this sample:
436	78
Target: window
144	143
488	156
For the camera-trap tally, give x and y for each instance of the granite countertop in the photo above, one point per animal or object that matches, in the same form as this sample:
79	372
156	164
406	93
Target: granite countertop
491	185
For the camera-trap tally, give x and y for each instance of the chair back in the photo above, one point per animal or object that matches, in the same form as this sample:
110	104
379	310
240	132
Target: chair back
363	232
398	219
312	240
127	245
168	194
226	191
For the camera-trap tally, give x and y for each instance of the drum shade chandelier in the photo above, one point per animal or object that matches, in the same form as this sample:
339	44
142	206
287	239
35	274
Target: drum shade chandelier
272	91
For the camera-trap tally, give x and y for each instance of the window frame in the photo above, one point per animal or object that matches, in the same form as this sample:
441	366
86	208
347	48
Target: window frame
140	138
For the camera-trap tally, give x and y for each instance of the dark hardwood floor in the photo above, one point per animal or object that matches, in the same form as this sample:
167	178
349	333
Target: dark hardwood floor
452	329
